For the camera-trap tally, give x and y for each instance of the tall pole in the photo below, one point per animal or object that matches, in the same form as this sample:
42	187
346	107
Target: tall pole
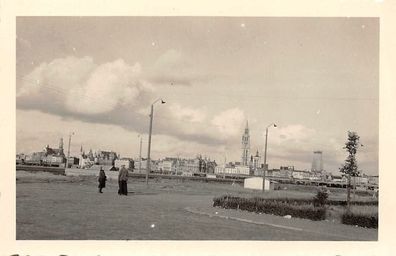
149	143
68	150
265	154
140	155
149	140
265	158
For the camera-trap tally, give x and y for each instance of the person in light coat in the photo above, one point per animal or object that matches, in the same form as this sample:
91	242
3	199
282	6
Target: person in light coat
122	181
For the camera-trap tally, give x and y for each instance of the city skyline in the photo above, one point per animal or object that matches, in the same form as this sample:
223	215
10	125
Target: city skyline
98	77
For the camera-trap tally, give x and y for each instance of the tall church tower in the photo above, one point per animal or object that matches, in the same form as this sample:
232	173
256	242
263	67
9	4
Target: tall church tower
246	146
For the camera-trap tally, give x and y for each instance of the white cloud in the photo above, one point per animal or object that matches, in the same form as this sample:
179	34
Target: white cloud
110	93
79	85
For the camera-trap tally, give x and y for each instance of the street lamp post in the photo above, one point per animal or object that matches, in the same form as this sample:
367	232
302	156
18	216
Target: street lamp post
265	154
68	150
140	154
149	140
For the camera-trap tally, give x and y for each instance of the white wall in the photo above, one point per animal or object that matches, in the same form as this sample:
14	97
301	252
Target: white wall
256	183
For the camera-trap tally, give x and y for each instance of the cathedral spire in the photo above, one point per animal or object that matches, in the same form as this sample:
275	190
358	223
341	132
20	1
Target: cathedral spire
245	146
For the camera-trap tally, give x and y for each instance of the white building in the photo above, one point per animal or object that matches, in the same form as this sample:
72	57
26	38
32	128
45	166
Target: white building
166	166
301	175
143	165
237	170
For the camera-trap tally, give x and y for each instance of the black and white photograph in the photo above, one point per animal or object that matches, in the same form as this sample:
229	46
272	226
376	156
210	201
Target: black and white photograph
208	128
197	128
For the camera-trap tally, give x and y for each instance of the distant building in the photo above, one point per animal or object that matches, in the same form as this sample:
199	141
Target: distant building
255	163
191	165
73	161
286	171
273	173
373	180
234	170
167	166
361	180
339	178
48	157
143	164
211	166
317	162
35	158
301	175
55	151
20	158
245	146
187	167
127	162
140	165
105	157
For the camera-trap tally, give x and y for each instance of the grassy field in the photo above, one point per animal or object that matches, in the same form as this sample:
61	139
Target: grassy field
67	208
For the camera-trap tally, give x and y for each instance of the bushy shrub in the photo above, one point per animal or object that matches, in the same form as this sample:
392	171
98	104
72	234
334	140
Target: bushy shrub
321	198
295	201
272	206
344	203
360	220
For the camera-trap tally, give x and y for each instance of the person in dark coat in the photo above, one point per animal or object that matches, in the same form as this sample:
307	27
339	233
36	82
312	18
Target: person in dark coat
102	180
122	181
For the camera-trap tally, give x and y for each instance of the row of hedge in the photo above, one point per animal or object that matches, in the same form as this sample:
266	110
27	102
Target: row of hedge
360	220
270	206
295	201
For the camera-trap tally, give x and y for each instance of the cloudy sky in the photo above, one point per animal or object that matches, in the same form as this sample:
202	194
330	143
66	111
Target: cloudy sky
316	78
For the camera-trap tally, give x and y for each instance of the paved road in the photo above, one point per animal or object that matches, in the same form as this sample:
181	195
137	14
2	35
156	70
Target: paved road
74	210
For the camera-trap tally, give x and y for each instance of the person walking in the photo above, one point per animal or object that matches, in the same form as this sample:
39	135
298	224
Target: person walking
102	180
122	181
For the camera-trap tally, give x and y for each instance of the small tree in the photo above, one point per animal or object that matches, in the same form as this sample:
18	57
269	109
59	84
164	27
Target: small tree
321	197
350	168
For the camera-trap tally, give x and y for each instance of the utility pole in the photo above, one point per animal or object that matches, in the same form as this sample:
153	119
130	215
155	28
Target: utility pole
265	158
149	143
140	154
68	149
265	154
149	140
